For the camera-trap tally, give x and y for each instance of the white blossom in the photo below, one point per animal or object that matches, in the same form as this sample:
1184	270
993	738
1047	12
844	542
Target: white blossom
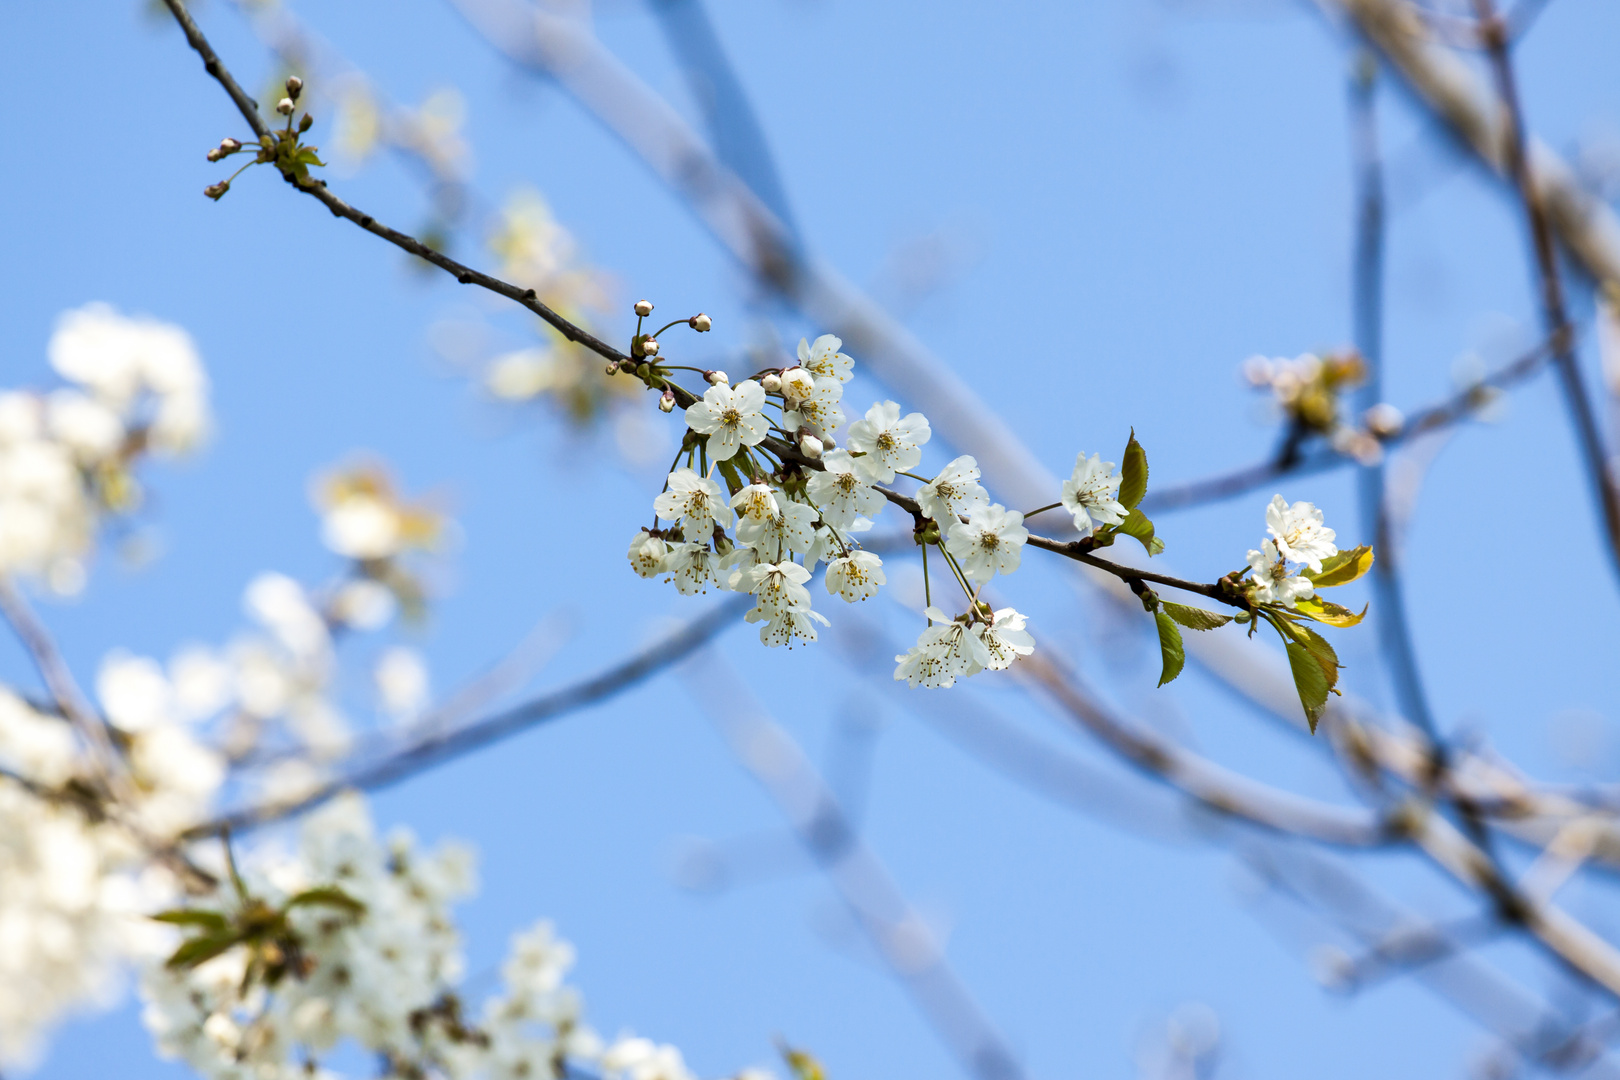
697	502
943	652
991	541
756	502
786	625
1005	639
791	530
134	692
778	586
819	410
855	576
691	567
732	417
736	565
842	494
363	526
797	383
1274	583
402	681
888	442
824	360
647	554
1091	494
1299	532
954	492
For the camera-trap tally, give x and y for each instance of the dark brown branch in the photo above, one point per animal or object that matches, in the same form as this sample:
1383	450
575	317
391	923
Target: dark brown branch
1080	551
318	190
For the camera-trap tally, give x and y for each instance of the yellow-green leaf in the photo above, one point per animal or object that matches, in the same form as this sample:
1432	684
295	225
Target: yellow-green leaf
210	920
1133	473
1325	611
1193	618
1170	647
1309	681
1138	525
1343	568
201	949
328	896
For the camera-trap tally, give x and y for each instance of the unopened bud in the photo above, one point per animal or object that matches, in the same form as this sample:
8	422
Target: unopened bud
214	191
295	86
305	123
230	146
772	383
1384	421
285	106
643	370
644	308
810	446
666	401
612	367
215	154
649	347
701	323
797	384
716	378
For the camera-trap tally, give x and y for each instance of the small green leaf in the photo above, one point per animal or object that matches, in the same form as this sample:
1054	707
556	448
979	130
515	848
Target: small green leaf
1324	611
1194	618
306	155
1133	474
1317	646
328	896
1309	681
200	950
1169	647
1138	525
1343	568
734	480
211	920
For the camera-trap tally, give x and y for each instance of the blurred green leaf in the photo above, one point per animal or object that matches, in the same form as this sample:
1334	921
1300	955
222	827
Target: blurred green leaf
210	920
327	896
1194	618
1309	681
200	950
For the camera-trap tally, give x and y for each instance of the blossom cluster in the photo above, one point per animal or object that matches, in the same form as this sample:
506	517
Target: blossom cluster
1297	535
67	456
1306	389
763	497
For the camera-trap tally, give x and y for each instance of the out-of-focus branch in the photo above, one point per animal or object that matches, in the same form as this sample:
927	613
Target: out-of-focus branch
430	747
863	883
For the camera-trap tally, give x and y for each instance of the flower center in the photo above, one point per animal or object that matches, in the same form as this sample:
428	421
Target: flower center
886	442
731	418
989	541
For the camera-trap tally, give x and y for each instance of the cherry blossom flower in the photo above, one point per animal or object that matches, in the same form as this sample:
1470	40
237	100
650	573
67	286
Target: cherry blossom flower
819	410
735	566
1273	582
954	492
943	652
697	502
779	585
647	554
756	502
786	625
691	567
824	360
855	576
732	417
1091	494
888	442
1299	532
991	541
791	530
1005	639
842	495
797	383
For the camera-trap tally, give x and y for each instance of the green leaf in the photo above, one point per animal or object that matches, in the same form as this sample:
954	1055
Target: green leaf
1324	611
1309	681
1343	568
211	920
1318	648
1193	618
1138	525
1169	647
306	155
200	950
328	896
734	480
1133	474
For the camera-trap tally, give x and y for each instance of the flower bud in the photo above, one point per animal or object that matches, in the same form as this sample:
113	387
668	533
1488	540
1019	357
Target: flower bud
649	347
666	401
1384	421
716	378
810	446
305	123
644	308
643	370
230	146
612	367
285	106
214	191
295	86
772	383
215	154
701	323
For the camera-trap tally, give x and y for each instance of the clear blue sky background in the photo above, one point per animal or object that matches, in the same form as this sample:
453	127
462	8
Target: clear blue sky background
1151	192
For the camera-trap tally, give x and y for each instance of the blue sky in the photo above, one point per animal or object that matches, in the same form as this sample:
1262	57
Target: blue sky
1143	193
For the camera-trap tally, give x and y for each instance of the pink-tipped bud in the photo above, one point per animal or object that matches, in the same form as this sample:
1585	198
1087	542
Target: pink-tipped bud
716	378
649	347
285	106
612	367
666	401
810	446
772	383
295	86
643	308
701	323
